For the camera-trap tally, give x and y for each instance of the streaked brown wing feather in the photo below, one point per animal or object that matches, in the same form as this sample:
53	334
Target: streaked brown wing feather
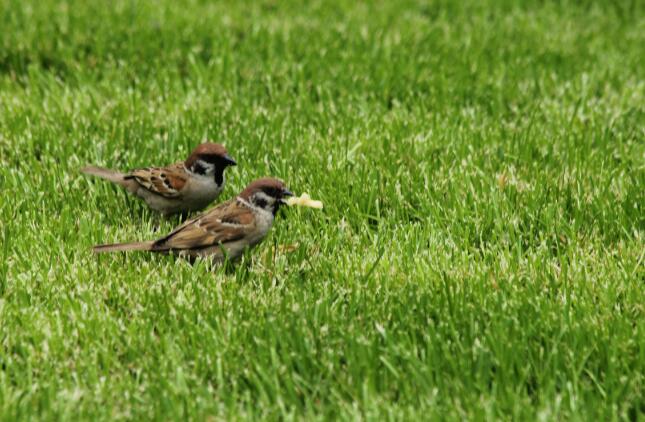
227	222
165	181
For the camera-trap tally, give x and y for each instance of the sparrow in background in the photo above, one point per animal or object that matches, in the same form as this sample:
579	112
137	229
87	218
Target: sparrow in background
224	231
185	186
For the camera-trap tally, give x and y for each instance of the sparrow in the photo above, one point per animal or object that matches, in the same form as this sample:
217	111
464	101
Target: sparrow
178	188
223	232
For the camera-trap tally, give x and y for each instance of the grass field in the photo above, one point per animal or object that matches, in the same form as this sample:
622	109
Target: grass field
481	250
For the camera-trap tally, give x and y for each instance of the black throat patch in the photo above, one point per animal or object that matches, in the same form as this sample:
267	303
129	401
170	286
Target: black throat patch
219	175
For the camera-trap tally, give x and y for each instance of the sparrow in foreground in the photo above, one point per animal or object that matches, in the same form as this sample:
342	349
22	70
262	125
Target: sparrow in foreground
185	186
224	231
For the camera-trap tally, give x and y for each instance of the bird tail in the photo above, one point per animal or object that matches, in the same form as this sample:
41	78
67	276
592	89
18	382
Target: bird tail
121	247
103	173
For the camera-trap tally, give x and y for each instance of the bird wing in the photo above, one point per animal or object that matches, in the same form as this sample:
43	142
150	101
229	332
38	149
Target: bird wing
165	181
227	222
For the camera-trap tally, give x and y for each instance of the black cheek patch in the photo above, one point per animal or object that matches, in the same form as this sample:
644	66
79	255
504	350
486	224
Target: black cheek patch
261	203
198	168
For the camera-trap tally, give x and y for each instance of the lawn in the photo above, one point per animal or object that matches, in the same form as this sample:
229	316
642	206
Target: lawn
481	250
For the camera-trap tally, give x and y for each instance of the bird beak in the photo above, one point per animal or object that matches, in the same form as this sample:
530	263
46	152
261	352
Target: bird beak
229	160
285	193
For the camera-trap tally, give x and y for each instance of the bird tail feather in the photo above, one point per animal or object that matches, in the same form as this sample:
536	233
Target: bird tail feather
121	247
103	173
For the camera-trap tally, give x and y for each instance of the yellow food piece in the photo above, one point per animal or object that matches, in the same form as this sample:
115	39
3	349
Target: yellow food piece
304	200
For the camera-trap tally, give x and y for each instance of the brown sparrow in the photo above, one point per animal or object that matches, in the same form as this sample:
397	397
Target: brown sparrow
185	186
224	231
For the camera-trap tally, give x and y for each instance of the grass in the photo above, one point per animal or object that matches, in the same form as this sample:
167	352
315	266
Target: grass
480	254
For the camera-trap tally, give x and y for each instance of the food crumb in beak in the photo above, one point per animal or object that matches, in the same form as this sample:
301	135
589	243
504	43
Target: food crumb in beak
304	200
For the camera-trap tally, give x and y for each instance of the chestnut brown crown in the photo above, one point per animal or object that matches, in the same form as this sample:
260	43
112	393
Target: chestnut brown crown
272	187
211	153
